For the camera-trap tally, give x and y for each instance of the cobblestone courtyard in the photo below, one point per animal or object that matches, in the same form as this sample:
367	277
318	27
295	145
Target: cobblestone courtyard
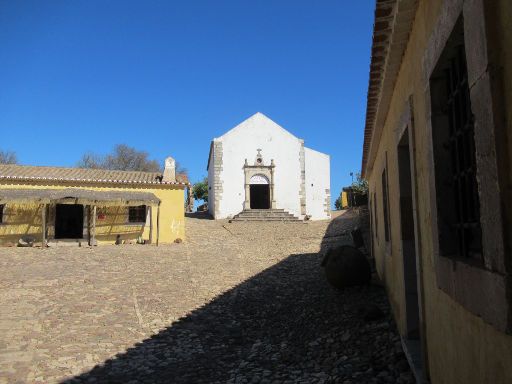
240	303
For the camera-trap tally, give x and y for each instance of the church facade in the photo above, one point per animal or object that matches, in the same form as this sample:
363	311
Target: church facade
260	165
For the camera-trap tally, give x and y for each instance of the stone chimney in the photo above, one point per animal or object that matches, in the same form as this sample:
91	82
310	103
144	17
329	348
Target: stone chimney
169	170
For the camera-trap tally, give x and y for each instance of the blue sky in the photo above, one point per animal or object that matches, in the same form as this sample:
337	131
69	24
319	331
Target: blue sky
168	76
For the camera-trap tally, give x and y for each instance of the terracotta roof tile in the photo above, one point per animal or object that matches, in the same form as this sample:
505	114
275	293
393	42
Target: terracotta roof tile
27	172
389	42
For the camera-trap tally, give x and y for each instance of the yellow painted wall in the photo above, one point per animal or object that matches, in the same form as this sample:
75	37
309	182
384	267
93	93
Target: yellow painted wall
21	219
461	347
344	199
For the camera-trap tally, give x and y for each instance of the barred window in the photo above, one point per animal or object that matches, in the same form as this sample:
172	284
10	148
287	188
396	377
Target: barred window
137	214
454	153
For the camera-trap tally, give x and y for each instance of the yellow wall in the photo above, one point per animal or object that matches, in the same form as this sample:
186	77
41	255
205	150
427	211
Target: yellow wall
461	347
344	199
21	219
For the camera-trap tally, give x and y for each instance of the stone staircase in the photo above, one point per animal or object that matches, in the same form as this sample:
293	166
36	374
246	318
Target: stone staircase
264	215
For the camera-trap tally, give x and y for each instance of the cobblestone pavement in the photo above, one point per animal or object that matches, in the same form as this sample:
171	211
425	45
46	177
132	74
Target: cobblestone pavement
237	303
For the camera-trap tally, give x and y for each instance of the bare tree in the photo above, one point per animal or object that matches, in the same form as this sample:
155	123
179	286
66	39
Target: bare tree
129	159
8	157
90	160
124	158
181	169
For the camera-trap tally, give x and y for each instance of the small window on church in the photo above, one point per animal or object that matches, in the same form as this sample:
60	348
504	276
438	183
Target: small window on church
2	206
137	214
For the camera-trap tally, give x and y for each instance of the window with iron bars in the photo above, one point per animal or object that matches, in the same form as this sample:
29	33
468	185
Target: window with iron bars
137	214
458	207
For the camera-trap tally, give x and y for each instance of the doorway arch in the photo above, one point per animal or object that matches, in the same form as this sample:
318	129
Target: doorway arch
258	179
259	191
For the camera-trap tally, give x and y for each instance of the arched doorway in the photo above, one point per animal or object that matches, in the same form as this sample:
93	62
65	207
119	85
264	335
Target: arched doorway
259	190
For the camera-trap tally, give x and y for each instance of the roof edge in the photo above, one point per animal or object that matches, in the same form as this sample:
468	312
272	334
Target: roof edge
99	181
256	116
319	152
391	30
17	172
210	155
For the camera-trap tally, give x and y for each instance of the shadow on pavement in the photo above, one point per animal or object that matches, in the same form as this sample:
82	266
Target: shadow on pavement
285	323
199	215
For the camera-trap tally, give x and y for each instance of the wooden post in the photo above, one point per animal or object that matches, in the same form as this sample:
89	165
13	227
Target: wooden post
157	224
93	229
89	221
43	214
150	224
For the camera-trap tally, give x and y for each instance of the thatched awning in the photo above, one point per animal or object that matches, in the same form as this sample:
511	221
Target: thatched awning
77	196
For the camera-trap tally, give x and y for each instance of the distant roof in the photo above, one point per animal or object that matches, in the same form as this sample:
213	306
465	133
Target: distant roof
28	172
78	196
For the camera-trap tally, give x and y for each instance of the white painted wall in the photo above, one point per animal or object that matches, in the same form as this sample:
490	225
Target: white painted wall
276	143
318	179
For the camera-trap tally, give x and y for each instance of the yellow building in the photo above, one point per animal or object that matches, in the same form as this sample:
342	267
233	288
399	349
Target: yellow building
437	155
90	206
344	200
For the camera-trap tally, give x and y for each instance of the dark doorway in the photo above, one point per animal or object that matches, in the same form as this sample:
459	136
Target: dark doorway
260	196
407	223
408	243
69	221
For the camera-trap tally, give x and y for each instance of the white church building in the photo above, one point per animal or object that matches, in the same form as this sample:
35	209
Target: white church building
258	165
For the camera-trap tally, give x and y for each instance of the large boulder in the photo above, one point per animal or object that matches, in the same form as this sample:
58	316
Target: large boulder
346	266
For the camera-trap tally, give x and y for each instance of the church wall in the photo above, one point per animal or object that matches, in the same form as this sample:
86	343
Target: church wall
211	183
242	143
317	184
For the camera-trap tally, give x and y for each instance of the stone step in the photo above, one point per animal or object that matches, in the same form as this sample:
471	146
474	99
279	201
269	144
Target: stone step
265	210
261	214
265	219
265	215
68	243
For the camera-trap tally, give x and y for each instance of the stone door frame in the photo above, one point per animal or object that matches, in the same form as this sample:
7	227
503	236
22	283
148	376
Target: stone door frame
253	170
